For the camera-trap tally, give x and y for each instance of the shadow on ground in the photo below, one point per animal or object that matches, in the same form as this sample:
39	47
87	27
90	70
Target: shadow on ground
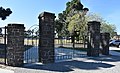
68	66
109	58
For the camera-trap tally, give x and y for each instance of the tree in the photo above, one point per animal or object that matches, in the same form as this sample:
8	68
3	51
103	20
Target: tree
63	18
4	13
105	26
77	23
58	27
110	28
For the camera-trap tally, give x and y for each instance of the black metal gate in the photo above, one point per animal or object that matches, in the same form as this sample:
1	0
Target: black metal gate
3	43
66	49
31	42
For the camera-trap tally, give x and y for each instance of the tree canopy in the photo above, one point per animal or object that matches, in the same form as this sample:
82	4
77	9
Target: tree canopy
72	19
105	26
67	15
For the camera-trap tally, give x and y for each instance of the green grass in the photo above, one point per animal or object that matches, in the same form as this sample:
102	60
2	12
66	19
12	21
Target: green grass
80	49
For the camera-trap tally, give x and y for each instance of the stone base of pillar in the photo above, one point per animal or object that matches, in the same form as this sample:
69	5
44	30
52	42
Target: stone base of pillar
105	52
93	52
47	62
14	64
47	55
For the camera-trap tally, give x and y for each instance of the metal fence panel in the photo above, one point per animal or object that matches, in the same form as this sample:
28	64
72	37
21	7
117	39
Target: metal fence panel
3	43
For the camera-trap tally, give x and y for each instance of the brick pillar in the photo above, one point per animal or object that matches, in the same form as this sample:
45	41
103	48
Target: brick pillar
15	44
94	38
46	41
105	37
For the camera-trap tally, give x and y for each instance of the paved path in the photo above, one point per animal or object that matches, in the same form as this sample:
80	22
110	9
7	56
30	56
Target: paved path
114	52
114	48
6	71
102	64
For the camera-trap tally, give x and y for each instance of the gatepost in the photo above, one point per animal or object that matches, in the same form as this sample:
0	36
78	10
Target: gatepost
105	37
46	40
93	38
15	44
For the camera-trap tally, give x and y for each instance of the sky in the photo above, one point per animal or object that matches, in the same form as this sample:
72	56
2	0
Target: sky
27	11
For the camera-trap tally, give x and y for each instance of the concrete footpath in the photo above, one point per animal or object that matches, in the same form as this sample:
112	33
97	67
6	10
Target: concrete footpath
6	71
102	64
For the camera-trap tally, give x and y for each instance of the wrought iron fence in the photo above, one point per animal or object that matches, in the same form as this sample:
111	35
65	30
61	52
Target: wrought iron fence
64	49
67	42
3	43
31	43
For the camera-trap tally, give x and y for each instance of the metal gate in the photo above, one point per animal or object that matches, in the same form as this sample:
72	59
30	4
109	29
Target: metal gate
31	42
65	49
3	43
